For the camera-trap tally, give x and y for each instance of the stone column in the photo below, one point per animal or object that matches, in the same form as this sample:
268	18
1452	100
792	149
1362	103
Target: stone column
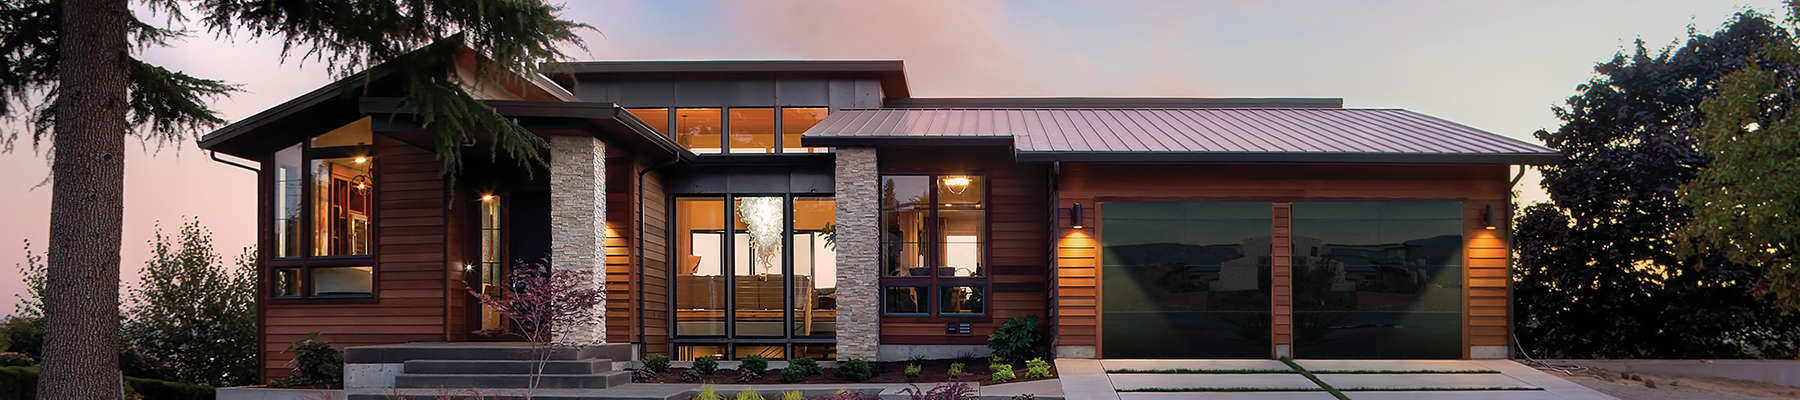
577	229
858	217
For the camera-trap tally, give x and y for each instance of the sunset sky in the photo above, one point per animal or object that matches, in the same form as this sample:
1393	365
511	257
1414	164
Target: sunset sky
1493	65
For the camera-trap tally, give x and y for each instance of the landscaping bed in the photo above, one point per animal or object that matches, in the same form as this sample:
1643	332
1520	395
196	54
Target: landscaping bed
975	370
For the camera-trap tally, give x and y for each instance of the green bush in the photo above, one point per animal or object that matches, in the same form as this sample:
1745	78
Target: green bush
153	389
807	365
956	370
10	359
749	395
708	392
913	371
754	363
706	365
854	370
793	374
1037	368
316	363
1019	338
1003	372
24	336
657	363
18	383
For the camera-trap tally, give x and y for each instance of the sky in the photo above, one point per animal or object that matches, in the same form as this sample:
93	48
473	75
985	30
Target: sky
1495	65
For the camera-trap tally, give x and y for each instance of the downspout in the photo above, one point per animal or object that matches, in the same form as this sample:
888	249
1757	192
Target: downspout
215	157
644	351
1511	334
1050	257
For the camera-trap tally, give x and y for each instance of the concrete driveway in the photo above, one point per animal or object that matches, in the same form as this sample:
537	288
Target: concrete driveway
1275	380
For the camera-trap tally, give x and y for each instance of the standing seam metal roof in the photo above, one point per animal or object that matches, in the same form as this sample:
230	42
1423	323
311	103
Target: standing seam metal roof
1207	134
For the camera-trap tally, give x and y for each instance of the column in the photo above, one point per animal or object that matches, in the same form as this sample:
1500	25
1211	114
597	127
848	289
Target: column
577	230
858	249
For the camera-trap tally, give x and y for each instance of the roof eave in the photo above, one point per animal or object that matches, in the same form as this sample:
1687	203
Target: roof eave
604	112
1289	157
853	141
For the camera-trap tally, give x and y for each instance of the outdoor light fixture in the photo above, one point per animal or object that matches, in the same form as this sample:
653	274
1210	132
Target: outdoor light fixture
487	197
1075	216
956	184
1487	217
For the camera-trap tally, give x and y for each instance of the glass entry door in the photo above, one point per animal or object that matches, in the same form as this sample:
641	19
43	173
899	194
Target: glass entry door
1185	279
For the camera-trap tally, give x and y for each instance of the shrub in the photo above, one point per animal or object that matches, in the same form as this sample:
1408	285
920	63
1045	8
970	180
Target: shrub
25	336
708	392
956	370
1024	396
706	365
845	394
793	374
1017	339
657	363
1003	372
18	383
315	364
854	370
947	391
749	395
913	371
1037	368
793	395
642	375
754	363
807	365
691	376
10	359
748	377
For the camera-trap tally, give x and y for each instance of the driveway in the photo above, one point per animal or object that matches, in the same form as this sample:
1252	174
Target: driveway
1313	380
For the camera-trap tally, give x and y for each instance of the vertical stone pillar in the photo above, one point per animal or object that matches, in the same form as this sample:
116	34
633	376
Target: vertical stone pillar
577	229
858	261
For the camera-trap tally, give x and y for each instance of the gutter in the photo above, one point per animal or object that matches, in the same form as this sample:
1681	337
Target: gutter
214	154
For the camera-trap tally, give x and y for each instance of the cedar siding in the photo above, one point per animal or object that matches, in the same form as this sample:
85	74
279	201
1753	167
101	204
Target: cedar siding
653	272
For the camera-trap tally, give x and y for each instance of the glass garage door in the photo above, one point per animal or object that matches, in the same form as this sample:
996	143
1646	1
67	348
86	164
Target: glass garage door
1185	279
1377	279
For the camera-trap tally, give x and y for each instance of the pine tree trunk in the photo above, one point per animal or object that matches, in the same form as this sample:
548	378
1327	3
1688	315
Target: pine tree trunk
81	356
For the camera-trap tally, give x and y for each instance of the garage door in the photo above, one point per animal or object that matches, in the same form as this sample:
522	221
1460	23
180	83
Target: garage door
1377	279
1185	279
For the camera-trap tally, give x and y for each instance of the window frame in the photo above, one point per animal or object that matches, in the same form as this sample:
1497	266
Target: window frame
730	340
305	262
934	283
673	112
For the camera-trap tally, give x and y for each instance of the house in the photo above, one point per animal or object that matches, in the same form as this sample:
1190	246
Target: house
817	209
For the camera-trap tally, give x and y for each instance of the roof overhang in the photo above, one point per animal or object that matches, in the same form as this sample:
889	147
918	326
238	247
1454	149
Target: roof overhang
1287	158
611	121
891	73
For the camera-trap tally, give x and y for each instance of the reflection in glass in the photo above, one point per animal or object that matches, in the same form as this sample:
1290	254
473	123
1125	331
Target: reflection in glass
752	131
757	252
1377	280
699	282
795	121
657	118
343	281
962	299
816	351
689	353
815	266
905	300
699	130
358	133
341	212
287	202
286	282
775	352
905	206
1186	279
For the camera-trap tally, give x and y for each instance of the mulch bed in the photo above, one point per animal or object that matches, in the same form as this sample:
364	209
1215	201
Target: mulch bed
975	370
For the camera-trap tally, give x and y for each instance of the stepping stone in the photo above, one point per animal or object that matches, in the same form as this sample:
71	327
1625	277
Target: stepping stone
1408	381
1193	364
1124	382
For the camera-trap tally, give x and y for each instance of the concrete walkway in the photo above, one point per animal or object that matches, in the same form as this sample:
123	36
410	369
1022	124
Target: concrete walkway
1358	379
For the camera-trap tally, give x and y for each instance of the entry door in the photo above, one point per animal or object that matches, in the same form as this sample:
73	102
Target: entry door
1185	279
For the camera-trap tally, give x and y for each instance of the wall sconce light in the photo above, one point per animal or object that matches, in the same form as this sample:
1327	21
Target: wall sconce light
956	184
1487	218
1075	216
487	197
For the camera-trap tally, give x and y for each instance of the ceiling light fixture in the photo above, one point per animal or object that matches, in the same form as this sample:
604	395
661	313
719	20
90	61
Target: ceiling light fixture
956	184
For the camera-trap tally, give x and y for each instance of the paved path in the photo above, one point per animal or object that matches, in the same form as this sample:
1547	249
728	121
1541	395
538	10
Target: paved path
1090	379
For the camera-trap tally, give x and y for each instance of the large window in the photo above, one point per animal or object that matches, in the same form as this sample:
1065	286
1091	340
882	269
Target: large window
735	130
657	118
752	131
933	230
796	120
755	273
699	129
323	216
1377	279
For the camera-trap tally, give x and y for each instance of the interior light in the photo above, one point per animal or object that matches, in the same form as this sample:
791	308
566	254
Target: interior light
956	184
360	159
1075	216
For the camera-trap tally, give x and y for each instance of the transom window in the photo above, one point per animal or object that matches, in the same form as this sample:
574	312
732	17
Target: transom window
735	130
933	245
324	216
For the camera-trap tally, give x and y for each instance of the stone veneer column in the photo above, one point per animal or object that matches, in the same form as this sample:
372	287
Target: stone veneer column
577	229
859	294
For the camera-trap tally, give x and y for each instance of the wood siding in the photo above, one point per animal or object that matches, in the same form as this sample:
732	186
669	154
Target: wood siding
654	272
1017	242
410	268
1281	263
1077	252
621	262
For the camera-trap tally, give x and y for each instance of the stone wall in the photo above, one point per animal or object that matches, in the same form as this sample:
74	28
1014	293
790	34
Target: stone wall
859	295
578	227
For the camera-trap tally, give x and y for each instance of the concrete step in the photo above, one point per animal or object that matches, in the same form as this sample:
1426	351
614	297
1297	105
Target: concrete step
400	353
505	381
497	367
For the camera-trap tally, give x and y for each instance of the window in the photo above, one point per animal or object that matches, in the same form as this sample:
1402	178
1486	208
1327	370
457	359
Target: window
699	283
752	131
657	118
699	130
933	245
796	120
756	274
323	216
815	266
492	269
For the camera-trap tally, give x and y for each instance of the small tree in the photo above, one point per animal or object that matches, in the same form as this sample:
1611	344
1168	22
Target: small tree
31	302
192	313
536	298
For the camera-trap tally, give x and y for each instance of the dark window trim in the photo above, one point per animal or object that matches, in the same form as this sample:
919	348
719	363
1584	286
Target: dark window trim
305	262
934	282
725	126
728	268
